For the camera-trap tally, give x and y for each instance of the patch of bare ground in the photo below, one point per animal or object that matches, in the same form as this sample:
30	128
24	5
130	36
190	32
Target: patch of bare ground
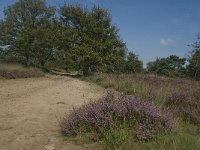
29	109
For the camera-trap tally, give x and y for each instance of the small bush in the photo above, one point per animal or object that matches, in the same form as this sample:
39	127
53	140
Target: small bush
108	113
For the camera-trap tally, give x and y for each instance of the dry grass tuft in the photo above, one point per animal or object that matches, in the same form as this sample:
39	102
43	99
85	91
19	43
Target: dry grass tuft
13	71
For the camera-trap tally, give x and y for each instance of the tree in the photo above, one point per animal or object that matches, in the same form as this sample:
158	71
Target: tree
94	38
194	60
74	38
170	66
25	28
133	64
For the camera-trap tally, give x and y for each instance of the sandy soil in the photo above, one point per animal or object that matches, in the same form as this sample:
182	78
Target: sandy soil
29	109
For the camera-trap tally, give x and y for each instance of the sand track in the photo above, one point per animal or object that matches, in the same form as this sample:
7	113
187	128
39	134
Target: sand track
29	109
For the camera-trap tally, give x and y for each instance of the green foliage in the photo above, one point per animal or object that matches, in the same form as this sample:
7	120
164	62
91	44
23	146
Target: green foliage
133	64
27	30
95	41
77	38
194	61
2	53
194	66
172	66
72	38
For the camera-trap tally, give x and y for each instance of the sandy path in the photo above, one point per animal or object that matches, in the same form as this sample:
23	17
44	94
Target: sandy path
29	107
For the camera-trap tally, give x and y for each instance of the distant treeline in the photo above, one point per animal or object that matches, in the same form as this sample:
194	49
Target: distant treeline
73	37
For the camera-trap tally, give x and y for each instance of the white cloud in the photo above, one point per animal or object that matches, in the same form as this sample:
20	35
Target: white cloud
166	41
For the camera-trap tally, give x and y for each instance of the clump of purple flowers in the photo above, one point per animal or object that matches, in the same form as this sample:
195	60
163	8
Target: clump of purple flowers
100	116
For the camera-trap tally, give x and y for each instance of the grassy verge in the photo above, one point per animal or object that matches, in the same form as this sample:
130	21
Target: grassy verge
178	96
13	71
148	87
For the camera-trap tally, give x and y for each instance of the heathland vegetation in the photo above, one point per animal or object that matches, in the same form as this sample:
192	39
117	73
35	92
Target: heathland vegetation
73	37
159	107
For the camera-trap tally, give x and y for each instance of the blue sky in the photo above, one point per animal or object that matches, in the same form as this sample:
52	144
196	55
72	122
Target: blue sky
150	28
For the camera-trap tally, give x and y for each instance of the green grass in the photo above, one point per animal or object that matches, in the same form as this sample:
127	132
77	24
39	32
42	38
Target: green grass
184	137
178	141
115	138
123	139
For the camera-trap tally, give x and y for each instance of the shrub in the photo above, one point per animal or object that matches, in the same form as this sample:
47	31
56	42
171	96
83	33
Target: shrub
107	113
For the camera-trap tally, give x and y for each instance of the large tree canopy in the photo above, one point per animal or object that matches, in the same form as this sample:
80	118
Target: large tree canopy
71	37
94	39
27	29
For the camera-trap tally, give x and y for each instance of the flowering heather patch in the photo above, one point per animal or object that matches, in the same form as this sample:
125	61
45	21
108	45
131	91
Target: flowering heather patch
100	116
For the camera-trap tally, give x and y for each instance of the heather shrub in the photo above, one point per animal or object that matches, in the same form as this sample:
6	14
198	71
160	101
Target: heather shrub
110	112
181	97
